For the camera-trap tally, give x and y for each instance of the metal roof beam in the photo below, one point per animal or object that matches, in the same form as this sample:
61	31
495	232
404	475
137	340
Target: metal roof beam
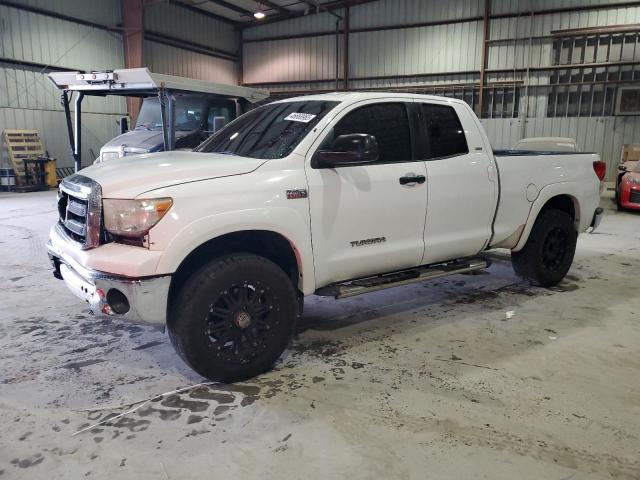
201	11
323	8
232	6
274	6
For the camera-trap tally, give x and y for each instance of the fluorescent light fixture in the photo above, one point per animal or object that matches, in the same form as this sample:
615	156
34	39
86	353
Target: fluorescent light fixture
259	15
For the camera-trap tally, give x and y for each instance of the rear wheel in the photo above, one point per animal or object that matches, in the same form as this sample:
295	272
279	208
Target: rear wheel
234	317
547	256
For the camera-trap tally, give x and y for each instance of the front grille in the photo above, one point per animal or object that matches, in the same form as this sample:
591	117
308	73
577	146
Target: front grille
634	196
73	216
80	210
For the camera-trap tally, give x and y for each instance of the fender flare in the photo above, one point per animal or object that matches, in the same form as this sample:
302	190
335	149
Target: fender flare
570	189
280	220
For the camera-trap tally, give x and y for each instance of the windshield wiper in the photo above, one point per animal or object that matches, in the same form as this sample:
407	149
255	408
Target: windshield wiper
227	152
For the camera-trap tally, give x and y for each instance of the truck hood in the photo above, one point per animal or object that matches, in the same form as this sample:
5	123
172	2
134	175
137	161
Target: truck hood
148	139
128	177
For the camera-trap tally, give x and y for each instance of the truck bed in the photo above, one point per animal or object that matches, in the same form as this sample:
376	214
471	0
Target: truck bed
533	153
528	177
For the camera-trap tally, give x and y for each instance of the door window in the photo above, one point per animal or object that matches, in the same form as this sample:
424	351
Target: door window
445	134
388	122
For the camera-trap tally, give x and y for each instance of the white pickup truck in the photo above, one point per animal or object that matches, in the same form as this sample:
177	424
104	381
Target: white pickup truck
336	194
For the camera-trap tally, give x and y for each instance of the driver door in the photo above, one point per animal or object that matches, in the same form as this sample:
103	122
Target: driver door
364	219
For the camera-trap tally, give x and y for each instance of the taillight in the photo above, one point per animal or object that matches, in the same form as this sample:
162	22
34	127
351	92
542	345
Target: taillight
600	168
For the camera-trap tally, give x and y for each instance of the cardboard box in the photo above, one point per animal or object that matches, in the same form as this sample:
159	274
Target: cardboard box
630	153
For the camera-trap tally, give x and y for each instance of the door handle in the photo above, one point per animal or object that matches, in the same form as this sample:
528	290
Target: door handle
410	178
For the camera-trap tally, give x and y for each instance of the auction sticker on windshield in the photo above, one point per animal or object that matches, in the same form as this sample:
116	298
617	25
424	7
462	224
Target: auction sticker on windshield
300	117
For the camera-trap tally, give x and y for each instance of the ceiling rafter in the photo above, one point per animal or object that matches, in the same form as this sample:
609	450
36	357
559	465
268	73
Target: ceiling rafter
274	6
201	11
314	8
232	6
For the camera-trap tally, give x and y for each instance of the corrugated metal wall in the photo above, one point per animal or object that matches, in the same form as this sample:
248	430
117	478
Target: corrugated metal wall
443	54
28	100
177	61
174	21
403	58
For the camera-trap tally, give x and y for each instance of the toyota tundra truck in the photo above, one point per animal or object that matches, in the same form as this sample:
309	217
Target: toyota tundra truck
335	195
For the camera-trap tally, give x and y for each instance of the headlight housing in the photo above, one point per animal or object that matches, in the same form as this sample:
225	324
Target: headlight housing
133	218
633	179
122	151
104	156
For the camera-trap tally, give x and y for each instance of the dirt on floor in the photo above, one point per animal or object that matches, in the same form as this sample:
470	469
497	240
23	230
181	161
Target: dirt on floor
432	380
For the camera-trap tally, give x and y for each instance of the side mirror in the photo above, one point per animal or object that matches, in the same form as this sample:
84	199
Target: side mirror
124	125
348	150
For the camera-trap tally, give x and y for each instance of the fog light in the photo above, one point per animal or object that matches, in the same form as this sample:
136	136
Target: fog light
118	301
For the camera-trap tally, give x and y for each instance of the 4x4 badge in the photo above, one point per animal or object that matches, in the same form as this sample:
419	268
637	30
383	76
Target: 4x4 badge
297	193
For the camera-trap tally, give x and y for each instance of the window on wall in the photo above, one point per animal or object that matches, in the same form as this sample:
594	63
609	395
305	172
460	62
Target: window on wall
596	65
466	93
501	102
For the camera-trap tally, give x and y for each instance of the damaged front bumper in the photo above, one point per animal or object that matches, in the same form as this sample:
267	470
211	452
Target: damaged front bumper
136	299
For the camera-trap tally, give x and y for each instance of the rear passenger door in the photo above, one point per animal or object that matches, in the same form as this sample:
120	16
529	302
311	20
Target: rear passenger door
368	219
462	185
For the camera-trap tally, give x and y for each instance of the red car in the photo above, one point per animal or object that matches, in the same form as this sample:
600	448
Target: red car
628	189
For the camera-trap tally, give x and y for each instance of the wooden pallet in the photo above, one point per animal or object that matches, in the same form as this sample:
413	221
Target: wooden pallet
22	144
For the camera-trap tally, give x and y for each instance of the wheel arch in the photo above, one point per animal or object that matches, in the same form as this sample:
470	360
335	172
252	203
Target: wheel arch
266	243
557	197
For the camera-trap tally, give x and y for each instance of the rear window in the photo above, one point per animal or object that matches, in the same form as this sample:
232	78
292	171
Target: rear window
445	134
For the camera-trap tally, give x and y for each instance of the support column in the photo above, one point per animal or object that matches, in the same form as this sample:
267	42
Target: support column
77	133
240	41
345	56
132	38
485	47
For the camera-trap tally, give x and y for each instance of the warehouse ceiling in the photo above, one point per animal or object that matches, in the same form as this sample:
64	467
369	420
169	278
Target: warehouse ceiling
243	12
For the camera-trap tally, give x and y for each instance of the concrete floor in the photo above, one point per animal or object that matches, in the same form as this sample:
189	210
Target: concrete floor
424	381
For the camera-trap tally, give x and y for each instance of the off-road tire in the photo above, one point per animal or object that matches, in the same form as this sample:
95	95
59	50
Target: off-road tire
547	256
199	337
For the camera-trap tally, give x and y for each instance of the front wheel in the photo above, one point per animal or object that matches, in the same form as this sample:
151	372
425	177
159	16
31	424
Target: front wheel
234	317
547	256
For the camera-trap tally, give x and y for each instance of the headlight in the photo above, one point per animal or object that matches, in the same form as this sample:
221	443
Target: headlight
133	218
634	179
104	156
126	151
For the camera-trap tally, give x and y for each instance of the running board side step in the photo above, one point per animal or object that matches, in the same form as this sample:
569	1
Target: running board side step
404	277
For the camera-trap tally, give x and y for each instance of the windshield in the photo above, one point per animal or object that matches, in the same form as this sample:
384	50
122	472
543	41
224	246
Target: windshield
272	131
190	112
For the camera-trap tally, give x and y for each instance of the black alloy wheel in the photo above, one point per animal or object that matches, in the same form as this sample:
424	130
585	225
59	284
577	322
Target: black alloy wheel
547	256
554	249
233	318
239	323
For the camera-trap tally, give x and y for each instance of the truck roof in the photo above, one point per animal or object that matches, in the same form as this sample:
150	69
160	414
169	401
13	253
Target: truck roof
142	82
359	96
